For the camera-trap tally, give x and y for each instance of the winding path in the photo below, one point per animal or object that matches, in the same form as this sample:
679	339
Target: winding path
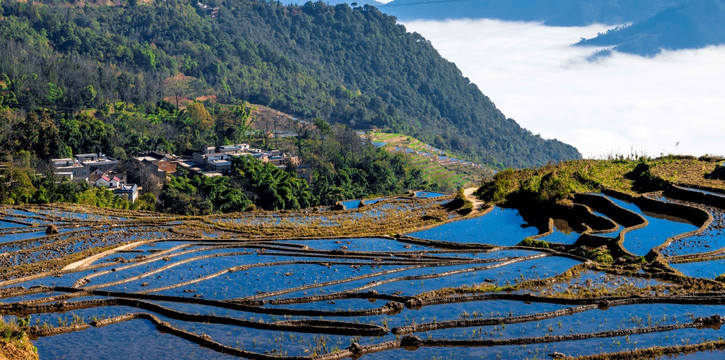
478	204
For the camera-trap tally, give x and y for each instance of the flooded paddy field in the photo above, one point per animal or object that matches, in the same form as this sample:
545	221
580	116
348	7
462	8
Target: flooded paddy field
395	278
501	226
709	240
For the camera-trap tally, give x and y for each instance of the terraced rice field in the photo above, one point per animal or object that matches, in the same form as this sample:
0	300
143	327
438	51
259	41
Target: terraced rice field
397	278
438	167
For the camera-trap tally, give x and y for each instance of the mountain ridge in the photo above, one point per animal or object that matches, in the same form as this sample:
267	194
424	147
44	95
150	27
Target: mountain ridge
550	12
352	66
695	24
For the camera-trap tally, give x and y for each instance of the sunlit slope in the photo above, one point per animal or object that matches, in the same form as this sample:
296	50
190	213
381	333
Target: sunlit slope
442	168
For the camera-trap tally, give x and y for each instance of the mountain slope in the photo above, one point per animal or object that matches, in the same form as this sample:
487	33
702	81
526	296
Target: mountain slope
353	66
696	24
551	12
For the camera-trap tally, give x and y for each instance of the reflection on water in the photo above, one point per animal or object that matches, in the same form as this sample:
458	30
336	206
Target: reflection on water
660	228
501	226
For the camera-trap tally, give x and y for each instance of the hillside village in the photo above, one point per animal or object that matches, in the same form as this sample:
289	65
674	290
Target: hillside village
99	170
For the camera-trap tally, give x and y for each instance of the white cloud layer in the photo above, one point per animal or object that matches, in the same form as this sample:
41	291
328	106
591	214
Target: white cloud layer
673	103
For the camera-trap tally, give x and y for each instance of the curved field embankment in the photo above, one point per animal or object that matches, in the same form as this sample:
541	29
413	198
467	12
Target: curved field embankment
699	197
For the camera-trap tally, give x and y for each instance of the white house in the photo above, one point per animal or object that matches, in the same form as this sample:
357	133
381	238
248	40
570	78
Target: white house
130	192
109	182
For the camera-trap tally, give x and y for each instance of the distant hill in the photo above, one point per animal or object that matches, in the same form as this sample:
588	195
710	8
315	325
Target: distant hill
352	66
337	2
695	24
550	12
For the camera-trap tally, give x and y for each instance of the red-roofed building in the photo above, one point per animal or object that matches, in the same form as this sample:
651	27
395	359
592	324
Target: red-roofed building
107	181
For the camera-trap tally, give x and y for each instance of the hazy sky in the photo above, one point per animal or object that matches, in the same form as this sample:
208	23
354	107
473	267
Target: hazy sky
610	106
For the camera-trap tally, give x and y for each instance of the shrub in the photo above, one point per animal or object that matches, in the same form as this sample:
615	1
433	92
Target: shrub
718	173
460	203
711	158
534	243
553	188
600	255
497	189
527	242
545	190
644	179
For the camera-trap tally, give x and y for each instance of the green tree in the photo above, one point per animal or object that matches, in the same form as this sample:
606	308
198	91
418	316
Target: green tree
88	95
55	93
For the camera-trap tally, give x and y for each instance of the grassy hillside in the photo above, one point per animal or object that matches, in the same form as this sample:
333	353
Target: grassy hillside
552	183
438	167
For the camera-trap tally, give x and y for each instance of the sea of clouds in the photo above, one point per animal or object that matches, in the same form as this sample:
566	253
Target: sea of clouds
673	103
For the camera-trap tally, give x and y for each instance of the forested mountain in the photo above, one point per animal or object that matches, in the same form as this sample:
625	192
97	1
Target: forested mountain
353	66
695	24
551	12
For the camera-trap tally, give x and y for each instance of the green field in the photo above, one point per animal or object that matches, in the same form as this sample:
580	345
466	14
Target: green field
448	175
